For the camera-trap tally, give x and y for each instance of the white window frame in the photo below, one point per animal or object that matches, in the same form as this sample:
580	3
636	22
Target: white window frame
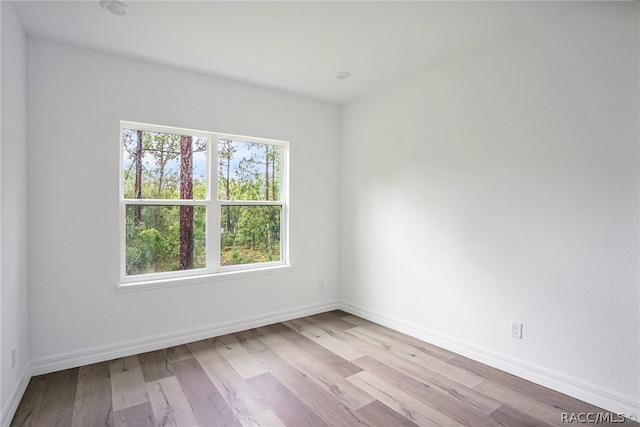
213	270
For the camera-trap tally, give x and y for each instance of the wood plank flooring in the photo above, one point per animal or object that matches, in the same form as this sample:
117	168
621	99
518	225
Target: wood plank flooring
331	369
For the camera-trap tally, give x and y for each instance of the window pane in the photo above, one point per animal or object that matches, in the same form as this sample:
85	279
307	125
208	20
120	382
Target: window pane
160	165
249	234
165	238
248	171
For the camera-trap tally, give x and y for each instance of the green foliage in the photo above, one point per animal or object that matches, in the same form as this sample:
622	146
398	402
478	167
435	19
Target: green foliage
154	244
249	171
246	172
244	255
160	163
254	234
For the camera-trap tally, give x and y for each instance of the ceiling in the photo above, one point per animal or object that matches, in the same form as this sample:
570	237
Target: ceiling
295	46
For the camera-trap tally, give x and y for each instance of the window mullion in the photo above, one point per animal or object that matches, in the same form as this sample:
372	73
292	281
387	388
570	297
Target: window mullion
166	202
250	203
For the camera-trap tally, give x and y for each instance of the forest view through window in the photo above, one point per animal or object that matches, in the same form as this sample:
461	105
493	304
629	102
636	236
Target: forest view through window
196	202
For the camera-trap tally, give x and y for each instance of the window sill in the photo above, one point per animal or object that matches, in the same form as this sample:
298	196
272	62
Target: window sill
199	279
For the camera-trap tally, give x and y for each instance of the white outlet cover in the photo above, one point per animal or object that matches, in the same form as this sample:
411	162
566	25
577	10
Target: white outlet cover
516	330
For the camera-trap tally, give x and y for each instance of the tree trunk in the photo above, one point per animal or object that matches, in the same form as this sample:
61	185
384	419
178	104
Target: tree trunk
273	178
228	188
266	171
137	215
186	212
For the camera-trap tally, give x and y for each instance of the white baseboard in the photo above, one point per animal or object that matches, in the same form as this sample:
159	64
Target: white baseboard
606	399
113	351
14	398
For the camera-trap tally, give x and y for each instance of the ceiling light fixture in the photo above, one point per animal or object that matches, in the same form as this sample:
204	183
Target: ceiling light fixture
114	7
341	75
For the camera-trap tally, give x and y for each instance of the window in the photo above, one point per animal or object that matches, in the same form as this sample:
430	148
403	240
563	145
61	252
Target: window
198	203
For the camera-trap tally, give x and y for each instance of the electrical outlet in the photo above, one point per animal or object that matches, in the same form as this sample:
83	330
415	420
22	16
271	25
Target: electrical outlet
321	285
13	358
516	330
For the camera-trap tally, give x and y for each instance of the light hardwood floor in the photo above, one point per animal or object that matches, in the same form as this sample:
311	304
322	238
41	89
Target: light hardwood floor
331	369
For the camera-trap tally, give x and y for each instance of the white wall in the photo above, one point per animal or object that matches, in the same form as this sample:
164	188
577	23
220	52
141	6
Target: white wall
503	185
13	212
76	98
